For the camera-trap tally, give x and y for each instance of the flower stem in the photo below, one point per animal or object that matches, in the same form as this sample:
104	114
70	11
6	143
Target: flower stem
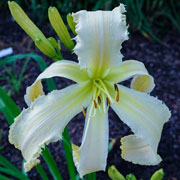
91	176
68	154
41	172
51	164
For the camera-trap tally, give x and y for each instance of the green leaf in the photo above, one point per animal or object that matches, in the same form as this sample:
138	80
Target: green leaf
4	162
41	63
41	172
51	164
4	177
8	107
68	154
13	173
91	176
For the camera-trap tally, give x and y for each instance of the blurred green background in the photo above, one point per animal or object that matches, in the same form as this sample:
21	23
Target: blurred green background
150	17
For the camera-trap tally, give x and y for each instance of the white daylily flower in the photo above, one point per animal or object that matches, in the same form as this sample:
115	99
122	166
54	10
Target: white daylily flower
99	38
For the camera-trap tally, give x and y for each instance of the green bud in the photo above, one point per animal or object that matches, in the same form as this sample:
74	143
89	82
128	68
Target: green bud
60	28
46	48
53	42
71	23
31	29
130	177
114	174
57	46
158	175
23	20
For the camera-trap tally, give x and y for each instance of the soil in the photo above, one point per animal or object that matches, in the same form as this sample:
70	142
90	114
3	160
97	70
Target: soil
163	63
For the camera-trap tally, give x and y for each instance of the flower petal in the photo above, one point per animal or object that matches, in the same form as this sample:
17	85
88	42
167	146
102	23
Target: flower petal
137	151
142	81
99	38
63	68
92	154
44	121
144	114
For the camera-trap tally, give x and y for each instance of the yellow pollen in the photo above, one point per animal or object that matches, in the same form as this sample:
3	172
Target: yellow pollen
84	112
117	96
108	101
95	104
116	87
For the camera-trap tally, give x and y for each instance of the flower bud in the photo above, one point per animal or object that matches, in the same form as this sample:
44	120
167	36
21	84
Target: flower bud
45	48
130	177
71	23
23	20
32	30
158	175
114	174
53	42
60	28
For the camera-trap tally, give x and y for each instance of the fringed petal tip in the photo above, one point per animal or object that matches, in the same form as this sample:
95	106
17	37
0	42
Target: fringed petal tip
137	151
100	35
76	159
34	160
29	165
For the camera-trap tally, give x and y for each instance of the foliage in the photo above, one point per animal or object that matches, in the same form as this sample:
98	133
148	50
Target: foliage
142	15
13	80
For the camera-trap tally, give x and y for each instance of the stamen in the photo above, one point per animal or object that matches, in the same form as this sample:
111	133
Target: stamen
84	112
108	101
116	87
95	104
103	88
99	100
117	96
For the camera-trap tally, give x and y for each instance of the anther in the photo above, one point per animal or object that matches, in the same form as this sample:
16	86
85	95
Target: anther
84	112
116	87
95	104
99	100
117	96
108	101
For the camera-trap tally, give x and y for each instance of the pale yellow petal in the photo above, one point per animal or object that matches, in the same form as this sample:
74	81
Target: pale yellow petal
142	81
144	114
99	38
137	151
91	156
63	68
44	121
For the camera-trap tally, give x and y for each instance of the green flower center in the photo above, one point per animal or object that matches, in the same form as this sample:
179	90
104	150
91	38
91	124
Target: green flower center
101	94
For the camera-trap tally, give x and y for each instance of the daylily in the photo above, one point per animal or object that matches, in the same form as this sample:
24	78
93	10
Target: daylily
100	35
